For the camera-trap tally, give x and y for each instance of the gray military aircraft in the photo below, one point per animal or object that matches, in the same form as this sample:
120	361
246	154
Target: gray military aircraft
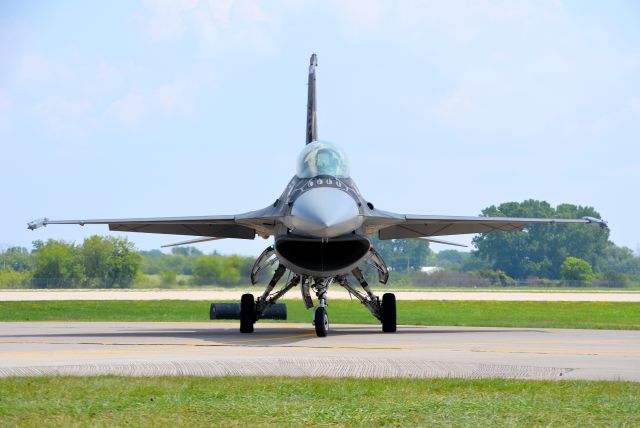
320	225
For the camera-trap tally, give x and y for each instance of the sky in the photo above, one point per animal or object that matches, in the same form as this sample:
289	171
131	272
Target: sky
179	108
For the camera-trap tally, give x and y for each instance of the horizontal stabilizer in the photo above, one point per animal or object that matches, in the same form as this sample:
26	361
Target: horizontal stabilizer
440	241
190	241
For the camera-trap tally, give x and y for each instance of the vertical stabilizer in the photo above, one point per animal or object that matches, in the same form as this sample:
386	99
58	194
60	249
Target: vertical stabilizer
312	123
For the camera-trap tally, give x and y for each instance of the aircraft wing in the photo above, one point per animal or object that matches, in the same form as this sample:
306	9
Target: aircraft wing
415	226
241	226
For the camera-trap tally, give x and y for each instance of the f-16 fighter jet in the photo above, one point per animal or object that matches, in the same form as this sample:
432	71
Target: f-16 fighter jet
320	225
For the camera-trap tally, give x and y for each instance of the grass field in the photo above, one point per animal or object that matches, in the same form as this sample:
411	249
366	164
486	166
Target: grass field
592	315
194	401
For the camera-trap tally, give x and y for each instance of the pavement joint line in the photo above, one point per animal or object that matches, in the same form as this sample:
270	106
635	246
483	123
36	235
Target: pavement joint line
294	325
310	334
154	349
402	346
203	345
535	342
560	351
271	338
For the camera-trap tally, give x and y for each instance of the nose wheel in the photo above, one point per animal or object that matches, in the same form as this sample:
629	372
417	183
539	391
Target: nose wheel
321	321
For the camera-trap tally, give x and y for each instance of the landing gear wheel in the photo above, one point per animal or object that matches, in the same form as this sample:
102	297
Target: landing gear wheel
388	313
247	313
321	321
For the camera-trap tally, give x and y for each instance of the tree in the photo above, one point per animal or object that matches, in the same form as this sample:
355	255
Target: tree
575	269
168	277
186	251
541	249
402	255
109	261
223	270
181	262
451	257
153	262
17	259
458	261
620	260
57	265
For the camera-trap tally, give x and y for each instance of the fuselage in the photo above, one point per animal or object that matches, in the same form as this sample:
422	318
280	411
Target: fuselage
323	211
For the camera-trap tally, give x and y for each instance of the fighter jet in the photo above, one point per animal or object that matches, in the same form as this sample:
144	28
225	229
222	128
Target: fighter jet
320	225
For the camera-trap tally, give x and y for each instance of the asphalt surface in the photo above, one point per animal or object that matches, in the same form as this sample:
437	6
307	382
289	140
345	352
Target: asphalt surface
335	293
217	349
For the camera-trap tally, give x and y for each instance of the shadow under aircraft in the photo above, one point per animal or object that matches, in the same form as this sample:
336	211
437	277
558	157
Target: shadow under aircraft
320	225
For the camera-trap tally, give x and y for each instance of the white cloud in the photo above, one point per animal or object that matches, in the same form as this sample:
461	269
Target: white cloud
171	97
454	20
5	104
166	19
62	116
131	109
455	105
5	112
34	67
107	72
214	25
508	71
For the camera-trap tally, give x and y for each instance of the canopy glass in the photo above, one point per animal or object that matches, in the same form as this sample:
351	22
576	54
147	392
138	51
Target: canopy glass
322	158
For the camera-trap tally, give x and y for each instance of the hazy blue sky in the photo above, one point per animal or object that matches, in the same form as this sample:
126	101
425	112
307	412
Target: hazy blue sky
163	108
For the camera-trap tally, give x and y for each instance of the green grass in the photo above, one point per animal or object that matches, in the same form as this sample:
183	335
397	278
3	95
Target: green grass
242	401
592	315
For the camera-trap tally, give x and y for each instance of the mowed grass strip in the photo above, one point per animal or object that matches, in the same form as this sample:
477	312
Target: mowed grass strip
588	315
253	401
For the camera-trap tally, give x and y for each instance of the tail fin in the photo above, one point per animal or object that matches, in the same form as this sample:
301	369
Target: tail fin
312	123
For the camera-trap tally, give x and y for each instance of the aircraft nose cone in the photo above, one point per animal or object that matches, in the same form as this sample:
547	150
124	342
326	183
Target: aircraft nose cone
324	212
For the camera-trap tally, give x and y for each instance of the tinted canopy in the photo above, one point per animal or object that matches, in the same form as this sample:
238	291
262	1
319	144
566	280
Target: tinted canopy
322	158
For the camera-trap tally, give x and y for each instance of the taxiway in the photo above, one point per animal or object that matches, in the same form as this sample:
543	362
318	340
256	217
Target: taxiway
218	349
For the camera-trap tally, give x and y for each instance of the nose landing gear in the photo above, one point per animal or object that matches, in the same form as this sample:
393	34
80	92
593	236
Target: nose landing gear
320	316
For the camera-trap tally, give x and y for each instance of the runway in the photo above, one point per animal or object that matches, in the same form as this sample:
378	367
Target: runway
218	349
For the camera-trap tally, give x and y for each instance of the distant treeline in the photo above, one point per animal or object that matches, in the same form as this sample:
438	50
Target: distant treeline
110	262
570	253
203	269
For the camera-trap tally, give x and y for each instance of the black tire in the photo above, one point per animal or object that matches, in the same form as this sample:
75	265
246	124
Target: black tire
389	313
247	313
321	321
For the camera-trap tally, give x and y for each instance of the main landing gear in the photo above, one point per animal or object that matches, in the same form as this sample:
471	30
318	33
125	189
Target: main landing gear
384	310
247	313
388	313
265	306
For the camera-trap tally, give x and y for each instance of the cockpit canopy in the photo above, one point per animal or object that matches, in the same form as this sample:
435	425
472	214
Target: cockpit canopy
322	158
